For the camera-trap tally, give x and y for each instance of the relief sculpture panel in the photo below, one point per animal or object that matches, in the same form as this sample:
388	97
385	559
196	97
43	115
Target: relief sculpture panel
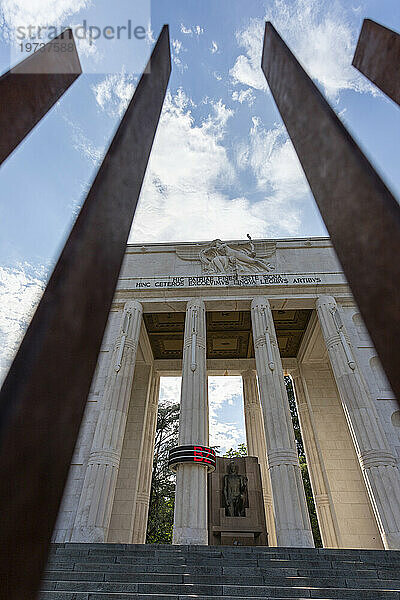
220	257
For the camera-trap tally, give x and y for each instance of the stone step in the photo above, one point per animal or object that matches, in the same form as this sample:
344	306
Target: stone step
223	551
152	573
100	596
252	578
230	594
123	572
168	548
270	588
241	554
243	559
320	582
124	563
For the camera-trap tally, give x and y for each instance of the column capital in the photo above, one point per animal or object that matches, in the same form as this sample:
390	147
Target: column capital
195	303
260	301
249	374
325	299
132	305
293	371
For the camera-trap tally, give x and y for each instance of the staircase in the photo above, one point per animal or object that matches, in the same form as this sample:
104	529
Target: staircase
127	572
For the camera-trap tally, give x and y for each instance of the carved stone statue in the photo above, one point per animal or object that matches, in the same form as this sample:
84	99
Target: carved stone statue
235	489
219	257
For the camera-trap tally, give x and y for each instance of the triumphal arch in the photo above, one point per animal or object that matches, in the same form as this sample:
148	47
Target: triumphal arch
260	309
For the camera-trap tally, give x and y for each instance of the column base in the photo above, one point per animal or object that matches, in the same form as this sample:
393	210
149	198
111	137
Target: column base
190	536
391	541
89	535
295	538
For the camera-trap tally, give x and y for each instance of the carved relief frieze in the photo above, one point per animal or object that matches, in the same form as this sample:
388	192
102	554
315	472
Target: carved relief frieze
219	257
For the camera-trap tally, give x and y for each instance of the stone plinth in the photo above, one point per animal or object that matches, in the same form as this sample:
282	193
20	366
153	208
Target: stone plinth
247	530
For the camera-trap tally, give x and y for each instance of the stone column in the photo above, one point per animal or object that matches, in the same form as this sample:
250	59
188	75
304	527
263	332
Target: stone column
95	505
190	518
146	464
292	523
255	438
319	482
377	462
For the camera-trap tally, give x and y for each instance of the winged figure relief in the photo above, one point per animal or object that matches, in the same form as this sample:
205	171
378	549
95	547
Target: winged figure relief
220	257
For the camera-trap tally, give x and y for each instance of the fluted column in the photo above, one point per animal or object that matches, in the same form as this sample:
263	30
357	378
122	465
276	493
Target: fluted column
190	518
319	482
95	505
292	523
255	438
146	464
376	459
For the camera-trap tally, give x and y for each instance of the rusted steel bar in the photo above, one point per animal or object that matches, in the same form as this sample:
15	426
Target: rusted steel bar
360	213
45	392
31	88
377	56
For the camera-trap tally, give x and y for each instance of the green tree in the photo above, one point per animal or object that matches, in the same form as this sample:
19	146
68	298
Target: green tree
162	495
303	464
241	450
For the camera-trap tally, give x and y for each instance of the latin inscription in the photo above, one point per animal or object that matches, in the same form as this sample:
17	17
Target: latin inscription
235	281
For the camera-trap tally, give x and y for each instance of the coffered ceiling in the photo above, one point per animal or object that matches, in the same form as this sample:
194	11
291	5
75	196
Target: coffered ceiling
229	333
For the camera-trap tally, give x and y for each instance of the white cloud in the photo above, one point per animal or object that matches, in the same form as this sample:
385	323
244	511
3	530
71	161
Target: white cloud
247	67
244	96
273	160
217	76
222	392
87	46
31	12
170	390
185	194
186	30
192	30
150	39
15	13
214	47
177	48
181	197
20	291
320	35
114	92
83	144
271	157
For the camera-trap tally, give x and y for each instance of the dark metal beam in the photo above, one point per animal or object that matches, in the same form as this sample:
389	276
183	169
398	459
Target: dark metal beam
377	56
360	213
31	88
45	392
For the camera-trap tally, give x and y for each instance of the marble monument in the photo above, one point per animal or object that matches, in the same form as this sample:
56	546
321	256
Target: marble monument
260	309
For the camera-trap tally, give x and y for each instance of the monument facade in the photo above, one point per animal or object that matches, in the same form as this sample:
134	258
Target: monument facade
261	309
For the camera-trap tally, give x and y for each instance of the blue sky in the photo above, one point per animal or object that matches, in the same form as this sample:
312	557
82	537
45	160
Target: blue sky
222	165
